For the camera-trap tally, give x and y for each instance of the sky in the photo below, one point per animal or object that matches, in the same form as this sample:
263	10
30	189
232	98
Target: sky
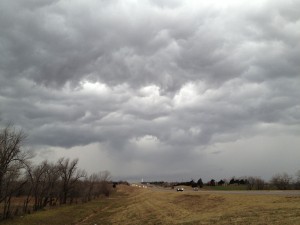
155	89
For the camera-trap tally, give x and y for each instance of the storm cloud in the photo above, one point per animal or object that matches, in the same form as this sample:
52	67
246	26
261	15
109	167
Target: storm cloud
155	89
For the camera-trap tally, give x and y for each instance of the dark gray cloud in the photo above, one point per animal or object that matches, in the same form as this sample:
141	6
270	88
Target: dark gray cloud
156	87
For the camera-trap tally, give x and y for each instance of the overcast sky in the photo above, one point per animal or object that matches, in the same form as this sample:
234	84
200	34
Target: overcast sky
155	89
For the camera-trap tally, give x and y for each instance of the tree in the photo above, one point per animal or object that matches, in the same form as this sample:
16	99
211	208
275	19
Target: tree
297	183
43	179
281	181
255	183
91	184
200	183
43	184
193	183
232	181
212	182
221	182
242	181
12	160
105	187
69	175
298	176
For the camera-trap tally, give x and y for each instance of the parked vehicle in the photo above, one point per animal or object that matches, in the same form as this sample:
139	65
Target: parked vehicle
180	189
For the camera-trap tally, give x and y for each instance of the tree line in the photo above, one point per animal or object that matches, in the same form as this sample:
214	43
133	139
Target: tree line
281	181
47	184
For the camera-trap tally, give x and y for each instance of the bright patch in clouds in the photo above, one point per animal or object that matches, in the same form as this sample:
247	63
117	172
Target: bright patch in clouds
147	142
94	88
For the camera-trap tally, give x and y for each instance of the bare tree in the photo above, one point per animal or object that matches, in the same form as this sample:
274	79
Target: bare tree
105	186
281	181
255	183
44	183
91	186
297	181
43	178
97	184
52	181
11	162
69	175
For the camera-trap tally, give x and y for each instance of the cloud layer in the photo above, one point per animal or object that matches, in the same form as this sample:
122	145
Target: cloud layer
170	89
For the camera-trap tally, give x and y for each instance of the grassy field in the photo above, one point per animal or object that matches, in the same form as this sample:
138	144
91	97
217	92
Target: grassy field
144	206
226	188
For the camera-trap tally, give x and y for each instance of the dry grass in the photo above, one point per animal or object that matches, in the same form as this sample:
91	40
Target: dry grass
141	206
